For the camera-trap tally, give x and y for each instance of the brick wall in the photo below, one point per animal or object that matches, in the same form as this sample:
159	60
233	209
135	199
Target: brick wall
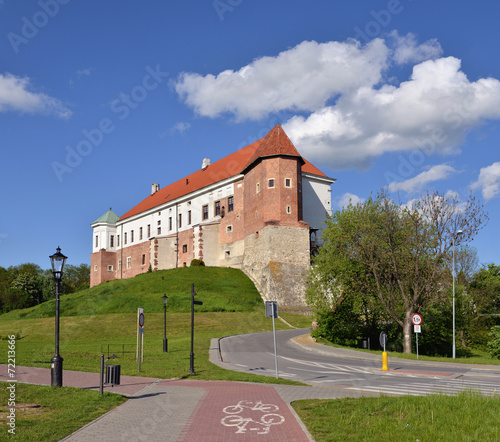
101	260
135	253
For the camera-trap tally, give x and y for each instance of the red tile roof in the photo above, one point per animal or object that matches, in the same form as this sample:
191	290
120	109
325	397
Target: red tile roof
276	142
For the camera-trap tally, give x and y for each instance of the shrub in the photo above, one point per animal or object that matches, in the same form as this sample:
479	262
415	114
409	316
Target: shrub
197	263
494	342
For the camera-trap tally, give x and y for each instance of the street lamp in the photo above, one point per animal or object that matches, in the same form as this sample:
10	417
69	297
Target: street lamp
458	233
57	261
165	341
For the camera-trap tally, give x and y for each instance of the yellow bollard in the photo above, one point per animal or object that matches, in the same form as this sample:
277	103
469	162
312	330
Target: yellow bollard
384	361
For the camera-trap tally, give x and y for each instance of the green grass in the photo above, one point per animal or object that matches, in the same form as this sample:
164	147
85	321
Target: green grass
54	419
107	314
466	417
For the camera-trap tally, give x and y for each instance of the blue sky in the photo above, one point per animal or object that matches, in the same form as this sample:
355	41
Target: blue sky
100	99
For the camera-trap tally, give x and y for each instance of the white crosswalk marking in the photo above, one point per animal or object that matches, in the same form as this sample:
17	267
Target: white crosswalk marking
449	387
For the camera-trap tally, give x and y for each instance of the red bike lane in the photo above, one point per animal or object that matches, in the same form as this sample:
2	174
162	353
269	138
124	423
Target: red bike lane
232	411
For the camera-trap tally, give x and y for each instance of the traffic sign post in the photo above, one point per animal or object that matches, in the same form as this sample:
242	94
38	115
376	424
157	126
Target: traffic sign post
383	342
193	303
417	322
140	337
272	312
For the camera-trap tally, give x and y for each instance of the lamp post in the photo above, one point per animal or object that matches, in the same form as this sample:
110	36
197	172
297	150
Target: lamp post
165	341
57	261
458	233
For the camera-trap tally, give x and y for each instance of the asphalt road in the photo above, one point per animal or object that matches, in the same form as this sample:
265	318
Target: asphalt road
350	370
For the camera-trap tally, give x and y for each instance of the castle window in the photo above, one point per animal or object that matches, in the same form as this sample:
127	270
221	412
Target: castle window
110	268
170	223
205	211
129	262
288	182
159	222
96	241
228	254
119	264
140	233
189	217
111	241
125	238
270	183
143	259
229	229
131	236
149	230
118	240
258	188
217	208
95	268
180	220
289	209
184	248
159	230
230	204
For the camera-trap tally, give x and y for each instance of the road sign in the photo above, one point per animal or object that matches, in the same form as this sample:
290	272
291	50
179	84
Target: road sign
141	319
416	319
417	328
198	302
141	330
271	309
383	340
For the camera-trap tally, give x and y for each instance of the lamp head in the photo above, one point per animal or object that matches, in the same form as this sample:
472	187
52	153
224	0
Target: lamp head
57	260
165	299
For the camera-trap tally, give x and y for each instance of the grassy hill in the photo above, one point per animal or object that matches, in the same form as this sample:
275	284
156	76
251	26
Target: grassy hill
107	315
220	289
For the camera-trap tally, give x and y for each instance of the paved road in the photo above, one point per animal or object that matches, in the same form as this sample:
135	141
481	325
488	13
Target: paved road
299	358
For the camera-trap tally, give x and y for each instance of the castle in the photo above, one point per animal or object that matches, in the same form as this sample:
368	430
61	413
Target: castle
260	209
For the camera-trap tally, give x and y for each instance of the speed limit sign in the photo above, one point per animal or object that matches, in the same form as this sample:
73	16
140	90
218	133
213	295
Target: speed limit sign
416	319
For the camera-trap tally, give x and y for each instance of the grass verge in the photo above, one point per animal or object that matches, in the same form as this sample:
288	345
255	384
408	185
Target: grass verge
468	416
61	411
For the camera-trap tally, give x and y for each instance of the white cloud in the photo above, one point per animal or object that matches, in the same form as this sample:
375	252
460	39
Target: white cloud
417	183
180	127
346	113
489	181
304	77
407	49
349	198
431	112
15	95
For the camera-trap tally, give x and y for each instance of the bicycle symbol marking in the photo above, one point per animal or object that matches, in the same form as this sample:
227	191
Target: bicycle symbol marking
262	426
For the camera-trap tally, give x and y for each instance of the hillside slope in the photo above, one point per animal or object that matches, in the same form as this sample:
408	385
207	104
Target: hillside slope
220	289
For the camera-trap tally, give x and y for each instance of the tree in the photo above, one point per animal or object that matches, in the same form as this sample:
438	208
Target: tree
466	263
76	278
395	253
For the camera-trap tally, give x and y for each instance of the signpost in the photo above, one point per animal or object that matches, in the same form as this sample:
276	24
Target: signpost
272	312
417	322
383	343
193	303
140	337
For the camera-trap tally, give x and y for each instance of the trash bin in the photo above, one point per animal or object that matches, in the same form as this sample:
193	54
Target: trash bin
112	375
365	344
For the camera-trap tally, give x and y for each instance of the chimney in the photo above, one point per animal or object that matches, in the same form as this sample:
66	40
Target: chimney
155	187
206	163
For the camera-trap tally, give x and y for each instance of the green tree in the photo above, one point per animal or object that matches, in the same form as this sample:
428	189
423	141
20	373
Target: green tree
76	278
396	254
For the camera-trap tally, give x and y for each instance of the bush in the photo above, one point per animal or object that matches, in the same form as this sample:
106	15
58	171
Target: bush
341	326
197	263
494	343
